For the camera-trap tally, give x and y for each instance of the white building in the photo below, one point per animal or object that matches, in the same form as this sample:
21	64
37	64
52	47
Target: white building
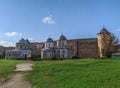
21	52
48	50
60	51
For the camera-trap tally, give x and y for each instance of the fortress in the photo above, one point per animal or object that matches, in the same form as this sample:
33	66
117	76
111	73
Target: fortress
61	48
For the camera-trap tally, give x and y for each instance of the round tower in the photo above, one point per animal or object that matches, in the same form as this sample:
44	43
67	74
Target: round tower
104	38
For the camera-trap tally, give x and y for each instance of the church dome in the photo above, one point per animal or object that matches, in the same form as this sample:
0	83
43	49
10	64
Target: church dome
49	40
62	37
24	41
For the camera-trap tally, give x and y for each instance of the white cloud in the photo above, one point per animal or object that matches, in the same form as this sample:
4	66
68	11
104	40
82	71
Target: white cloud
118	30
11	34
31	39
48	20
6	43
20	34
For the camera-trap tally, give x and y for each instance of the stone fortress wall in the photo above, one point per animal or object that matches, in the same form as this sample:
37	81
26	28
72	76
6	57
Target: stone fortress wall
84	48
80	48
3	49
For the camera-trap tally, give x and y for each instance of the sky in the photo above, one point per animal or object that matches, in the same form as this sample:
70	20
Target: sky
37	20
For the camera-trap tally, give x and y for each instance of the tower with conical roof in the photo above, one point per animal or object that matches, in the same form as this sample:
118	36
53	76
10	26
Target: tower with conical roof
104	38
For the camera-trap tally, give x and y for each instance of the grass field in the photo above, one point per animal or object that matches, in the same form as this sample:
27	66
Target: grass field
85	73
6	68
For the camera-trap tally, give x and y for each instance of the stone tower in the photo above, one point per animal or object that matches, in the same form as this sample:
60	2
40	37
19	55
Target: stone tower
104	38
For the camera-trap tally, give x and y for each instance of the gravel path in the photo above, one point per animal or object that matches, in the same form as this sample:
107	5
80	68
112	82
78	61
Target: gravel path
23	67
17	80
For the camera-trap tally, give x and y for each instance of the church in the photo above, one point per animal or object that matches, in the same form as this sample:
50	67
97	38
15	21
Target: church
62	47
59	51
20	52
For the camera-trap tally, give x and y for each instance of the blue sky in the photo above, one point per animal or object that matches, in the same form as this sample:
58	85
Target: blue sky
39	19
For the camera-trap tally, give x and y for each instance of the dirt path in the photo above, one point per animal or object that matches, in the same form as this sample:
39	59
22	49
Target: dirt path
17	80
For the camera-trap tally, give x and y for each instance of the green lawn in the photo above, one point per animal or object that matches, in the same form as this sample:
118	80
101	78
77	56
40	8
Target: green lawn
6	68
81	73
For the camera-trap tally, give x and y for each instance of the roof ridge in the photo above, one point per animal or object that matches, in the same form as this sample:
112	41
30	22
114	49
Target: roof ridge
104	31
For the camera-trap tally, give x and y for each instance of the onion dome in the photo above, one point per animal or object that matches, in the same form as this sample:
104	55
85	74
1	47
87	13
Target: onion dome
27	40
24	41
62	37
49	40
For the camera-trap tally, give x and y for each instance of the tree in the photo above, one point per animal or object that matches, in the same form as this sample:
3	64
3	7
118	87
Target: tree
109	44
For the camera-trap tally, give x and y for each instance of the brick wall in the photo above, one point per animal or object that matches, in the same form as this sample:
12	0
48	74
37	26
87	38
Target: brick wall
36	49
84	48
